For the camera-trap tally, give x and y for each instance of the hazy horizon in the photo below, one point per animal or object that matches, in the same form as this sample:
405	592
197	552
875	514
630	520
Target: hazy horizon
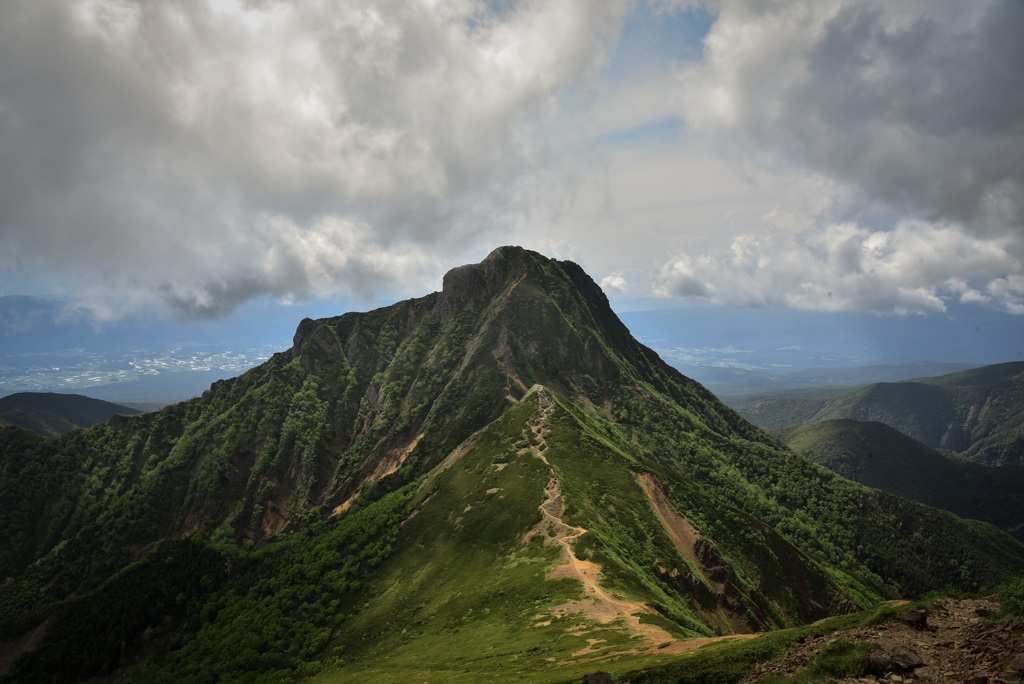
144	360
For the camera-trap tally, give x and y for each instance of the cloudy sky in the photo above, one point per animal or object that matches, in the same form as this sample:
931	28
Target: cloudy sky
189	157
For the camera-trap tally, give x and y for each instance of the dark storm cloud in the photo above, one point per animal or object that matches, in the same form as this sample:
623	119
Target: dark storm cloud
924	116
917	104
911	114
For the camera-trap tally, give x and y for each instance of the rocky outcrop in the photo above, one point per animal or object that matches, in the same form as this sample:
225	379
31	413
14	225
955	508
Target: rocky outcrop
598	677
952	641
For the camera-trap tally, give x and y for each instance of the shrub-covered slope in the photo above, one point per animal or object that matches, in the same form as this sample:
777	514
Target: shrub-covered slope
879	456
50	414
978	412
407	478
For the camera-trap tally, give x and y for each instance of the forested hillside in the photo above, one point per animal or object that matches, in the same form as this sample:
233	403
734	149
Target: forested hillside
50	414
879	456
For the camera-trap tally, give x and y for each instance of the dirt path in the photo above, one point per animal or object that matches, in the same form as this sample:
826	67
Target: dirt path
539	425
597	603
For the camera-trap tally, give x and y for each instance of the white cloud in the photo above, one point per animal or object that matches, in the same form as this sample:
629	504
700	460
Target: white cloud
614	281
899	123
914	268
210	152
196	154
1010	291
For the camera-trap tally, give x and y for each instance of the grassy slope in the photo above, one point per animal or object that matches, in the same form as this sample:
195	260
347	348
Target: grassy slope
458	599
465	599
910	545
425	619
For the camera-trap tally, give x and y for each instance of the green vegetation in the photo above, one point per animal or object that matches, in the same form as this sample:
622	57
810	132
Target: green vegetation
837	660
731	660
1012	597
50	415
368	505
461	594
879	456
978	413
195	612
93	634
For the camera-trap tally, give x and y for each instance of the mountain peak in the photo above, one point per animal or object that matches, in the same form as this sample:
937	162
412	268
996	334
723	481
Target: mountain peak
551	322
451	362
508	265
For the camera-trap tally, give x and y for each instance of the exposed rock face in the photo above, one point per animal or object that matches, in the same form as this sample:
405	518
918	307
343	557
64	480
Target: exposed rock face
900	660
918	619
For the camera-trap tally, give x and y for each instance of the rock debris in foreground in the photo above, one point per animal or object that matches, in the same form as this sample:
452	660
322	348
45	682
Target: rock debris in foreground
955	641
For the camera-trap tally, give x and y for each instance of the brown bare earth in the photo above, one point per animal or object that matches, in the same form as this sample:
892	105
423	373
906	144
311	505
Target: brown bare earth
679	528
597	604
688	540
388	465
12	650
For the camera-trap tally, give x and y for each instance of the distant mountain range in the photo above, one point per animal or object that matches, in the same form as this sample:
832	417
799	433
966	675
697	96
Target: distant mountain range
978	413
50	414
494	481
955	441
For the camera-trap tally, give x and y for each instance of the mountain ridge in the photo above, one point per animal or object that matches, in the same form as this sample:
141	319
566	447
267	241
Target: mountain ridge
373	490
50	414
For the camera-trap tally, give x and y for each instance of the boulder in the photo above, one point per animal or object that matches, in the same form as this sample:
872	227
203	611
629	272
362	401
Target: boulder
916	618
598	677
879	663
905	659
